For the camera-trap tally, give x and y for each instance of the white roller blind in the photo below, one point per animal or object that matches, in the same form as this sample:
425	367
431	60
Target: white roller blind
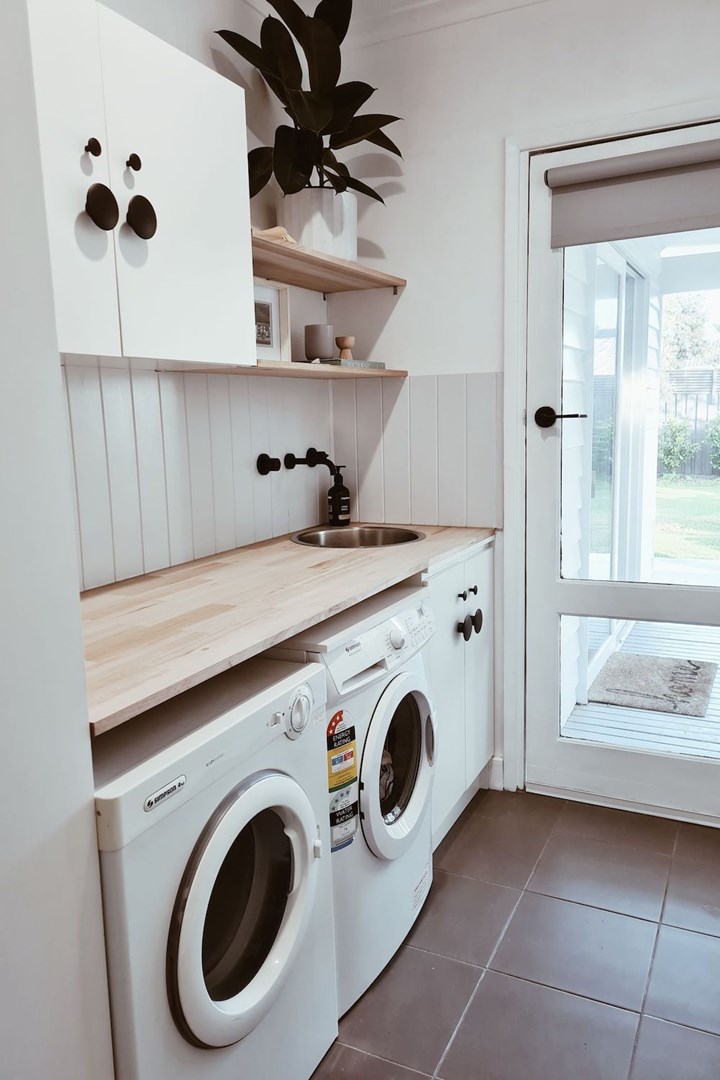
660	191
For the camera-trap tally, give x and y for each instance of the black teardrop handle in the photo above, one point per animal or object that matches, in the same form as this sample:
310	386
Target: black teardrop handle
101	207
466	627
141	217
134	163
546	416
92	146
267	464
477	621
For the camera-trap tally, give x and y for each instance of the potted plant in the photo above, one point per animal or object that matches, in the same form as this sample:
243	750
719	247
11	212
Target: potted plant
325	118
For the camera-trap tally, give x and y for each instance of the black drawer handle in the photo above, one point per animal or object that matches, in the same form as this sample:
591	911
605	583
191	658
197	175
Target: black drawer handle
92	146
141	217
101	207
466	627
477	621
266	464
134	163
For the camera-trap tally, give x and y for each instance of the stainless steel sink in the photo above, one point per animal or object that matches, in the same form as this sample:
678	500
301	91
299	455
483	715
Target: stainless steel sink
356	536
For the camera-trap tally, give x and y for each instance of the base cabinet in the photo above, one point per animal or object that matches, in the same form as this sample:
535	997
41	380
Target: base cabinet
459	662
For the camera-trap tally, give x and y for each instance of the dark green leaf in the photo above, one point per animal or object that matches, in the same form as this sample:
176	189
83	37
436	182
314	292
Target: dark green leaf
379	138
280	91
338	182
336	13
357	185
330	161
347	99
311	111
278	46
292	15
322	50
360	128
249	51
293	158
260	168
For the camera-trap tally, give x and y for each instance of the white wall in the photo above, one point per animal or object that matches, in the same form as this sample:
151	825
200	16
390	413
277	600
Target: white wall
54	1019
463	90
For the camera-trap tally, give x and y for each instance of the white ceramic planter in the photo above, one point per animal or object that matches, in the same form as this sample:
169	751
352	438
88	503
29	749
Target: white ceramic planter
322	221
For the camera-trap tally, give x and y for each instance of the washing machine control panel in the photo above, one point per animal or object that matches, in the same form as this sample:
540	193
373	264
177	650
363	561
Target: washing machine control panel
382	648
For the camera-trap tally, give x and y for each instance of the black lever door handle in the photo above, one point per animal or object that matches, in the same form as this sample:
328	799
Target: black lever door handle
101	207
546	416
466	627
477	621
141	217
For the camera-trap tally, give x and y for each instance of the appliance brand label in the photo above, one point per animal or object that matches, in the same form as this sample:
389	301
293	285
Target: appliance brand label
165	793
353	646
342	780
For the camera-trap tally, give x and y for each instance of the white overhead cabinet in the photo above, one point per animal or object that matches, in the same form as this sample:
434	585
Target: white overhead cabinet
157	262
459	659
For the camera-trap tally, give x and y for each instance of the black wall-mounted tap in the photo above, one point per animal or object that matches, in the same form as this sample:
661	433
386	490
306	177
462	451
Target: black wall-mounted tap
338	495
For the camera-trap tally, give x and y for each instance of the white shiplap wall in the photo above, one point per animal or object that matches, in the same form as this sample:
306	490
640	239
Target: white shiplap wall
425	450
165	464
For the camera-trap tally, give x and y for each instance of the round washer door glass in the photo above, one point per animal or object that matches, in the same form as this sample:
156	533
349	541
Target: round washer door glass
242	910
397	767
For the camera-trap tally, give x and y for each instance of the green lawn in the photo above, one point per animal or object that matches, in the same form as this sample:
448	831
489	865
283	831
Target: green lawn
688	518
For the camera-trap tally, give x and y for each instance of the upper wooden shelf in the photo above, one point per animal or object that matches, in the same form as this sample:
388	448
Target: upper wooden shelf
294	265
321	371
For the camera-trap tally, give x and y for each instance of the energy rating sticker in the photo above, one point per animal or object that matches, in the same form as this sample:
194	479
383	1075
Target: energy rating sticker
342	780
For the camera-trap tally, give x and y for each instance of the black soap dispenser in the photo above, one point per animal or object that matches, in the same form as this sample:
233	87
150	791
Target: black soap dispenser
338	500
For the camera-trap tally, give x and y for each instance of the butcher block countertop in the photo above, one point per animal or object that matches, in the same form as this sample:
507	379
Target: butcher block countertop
152	637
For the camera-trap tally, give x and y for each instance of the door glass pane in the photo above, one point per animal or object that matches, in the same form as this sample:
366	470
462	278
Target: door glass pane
641	357
400	760
247	906
641	685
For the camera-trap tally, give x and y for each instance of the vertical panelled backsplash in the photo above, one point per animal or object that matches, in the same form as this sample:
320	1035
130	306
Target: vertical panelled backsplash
165	464
426	450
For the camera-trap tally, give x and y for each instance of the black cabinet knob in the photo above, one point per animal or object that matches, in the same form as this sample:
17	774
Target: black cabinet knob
546	416
101	207
477	621
141	217
466	627
134	163
462	595
266	464
473	589
92	146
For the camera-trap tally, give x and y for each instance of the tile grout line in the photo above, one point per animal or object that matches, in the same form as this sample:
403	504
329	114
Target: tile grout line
490	958
379	1057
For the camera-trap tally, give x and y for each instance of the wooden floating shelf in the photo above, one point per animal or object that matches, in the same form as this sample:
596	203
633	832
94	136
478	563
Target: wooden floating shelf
294	265
322	371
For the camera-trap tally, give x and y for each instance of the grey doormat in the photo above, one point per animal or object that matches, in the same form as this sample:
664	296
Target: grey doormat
661	683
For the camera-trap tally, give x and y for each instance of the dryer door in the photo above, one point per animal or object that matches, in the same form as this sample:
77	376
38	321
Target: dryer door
242	910
397	768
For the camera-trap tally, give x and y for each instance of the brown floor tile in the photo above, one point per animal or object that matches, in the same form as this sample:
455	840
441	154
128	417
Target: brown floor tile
668	1052
618	878
619	827
693	896
501	852
518	806
411	1011
597	954
355	1065
698	841
516	1030
463	918
685	979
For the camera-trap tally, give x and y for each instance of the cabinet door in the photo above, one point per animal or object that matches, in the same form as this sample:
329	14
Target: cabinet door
186	293
69	100
445	659
479	683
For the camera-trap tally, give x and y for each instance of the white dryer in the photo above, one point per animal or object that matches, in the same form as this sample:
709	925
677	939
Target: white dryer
217	894
380	746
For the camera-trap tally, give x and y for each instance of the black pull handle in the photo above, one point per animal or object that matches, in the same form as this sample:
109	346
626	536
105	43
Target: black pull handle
466	627
267	464
546	416
473	589
101	207
92	146
477	621
134	163
141	217
462	595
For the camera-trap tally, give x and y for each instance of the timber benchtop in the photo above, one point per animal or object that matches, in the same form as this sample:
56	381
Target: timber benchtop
152	637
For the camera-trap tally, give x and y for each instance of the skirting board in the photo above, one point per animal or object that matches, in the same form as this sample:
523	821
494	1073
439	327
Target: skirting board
624	804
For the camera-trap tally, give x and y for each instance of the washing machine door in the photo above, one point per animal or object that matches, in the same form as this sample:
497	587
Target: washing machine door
397	767
242	910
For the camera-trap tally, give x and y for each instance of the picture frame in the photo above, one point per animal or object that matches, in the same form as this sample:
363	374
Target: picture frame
272	320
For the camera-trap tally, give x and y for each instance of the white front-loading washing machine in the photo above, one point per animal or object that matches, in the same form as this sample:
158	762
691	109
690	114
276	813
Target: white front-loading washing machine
380	747
217	894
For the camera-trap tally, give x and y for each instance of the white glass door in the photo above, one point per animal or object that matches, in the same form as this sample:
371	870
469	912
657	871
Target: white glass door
623	512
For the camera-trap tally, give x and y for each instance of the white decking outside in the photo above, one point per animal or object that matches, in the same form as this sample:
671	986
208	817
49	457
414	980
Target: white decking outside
646	730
